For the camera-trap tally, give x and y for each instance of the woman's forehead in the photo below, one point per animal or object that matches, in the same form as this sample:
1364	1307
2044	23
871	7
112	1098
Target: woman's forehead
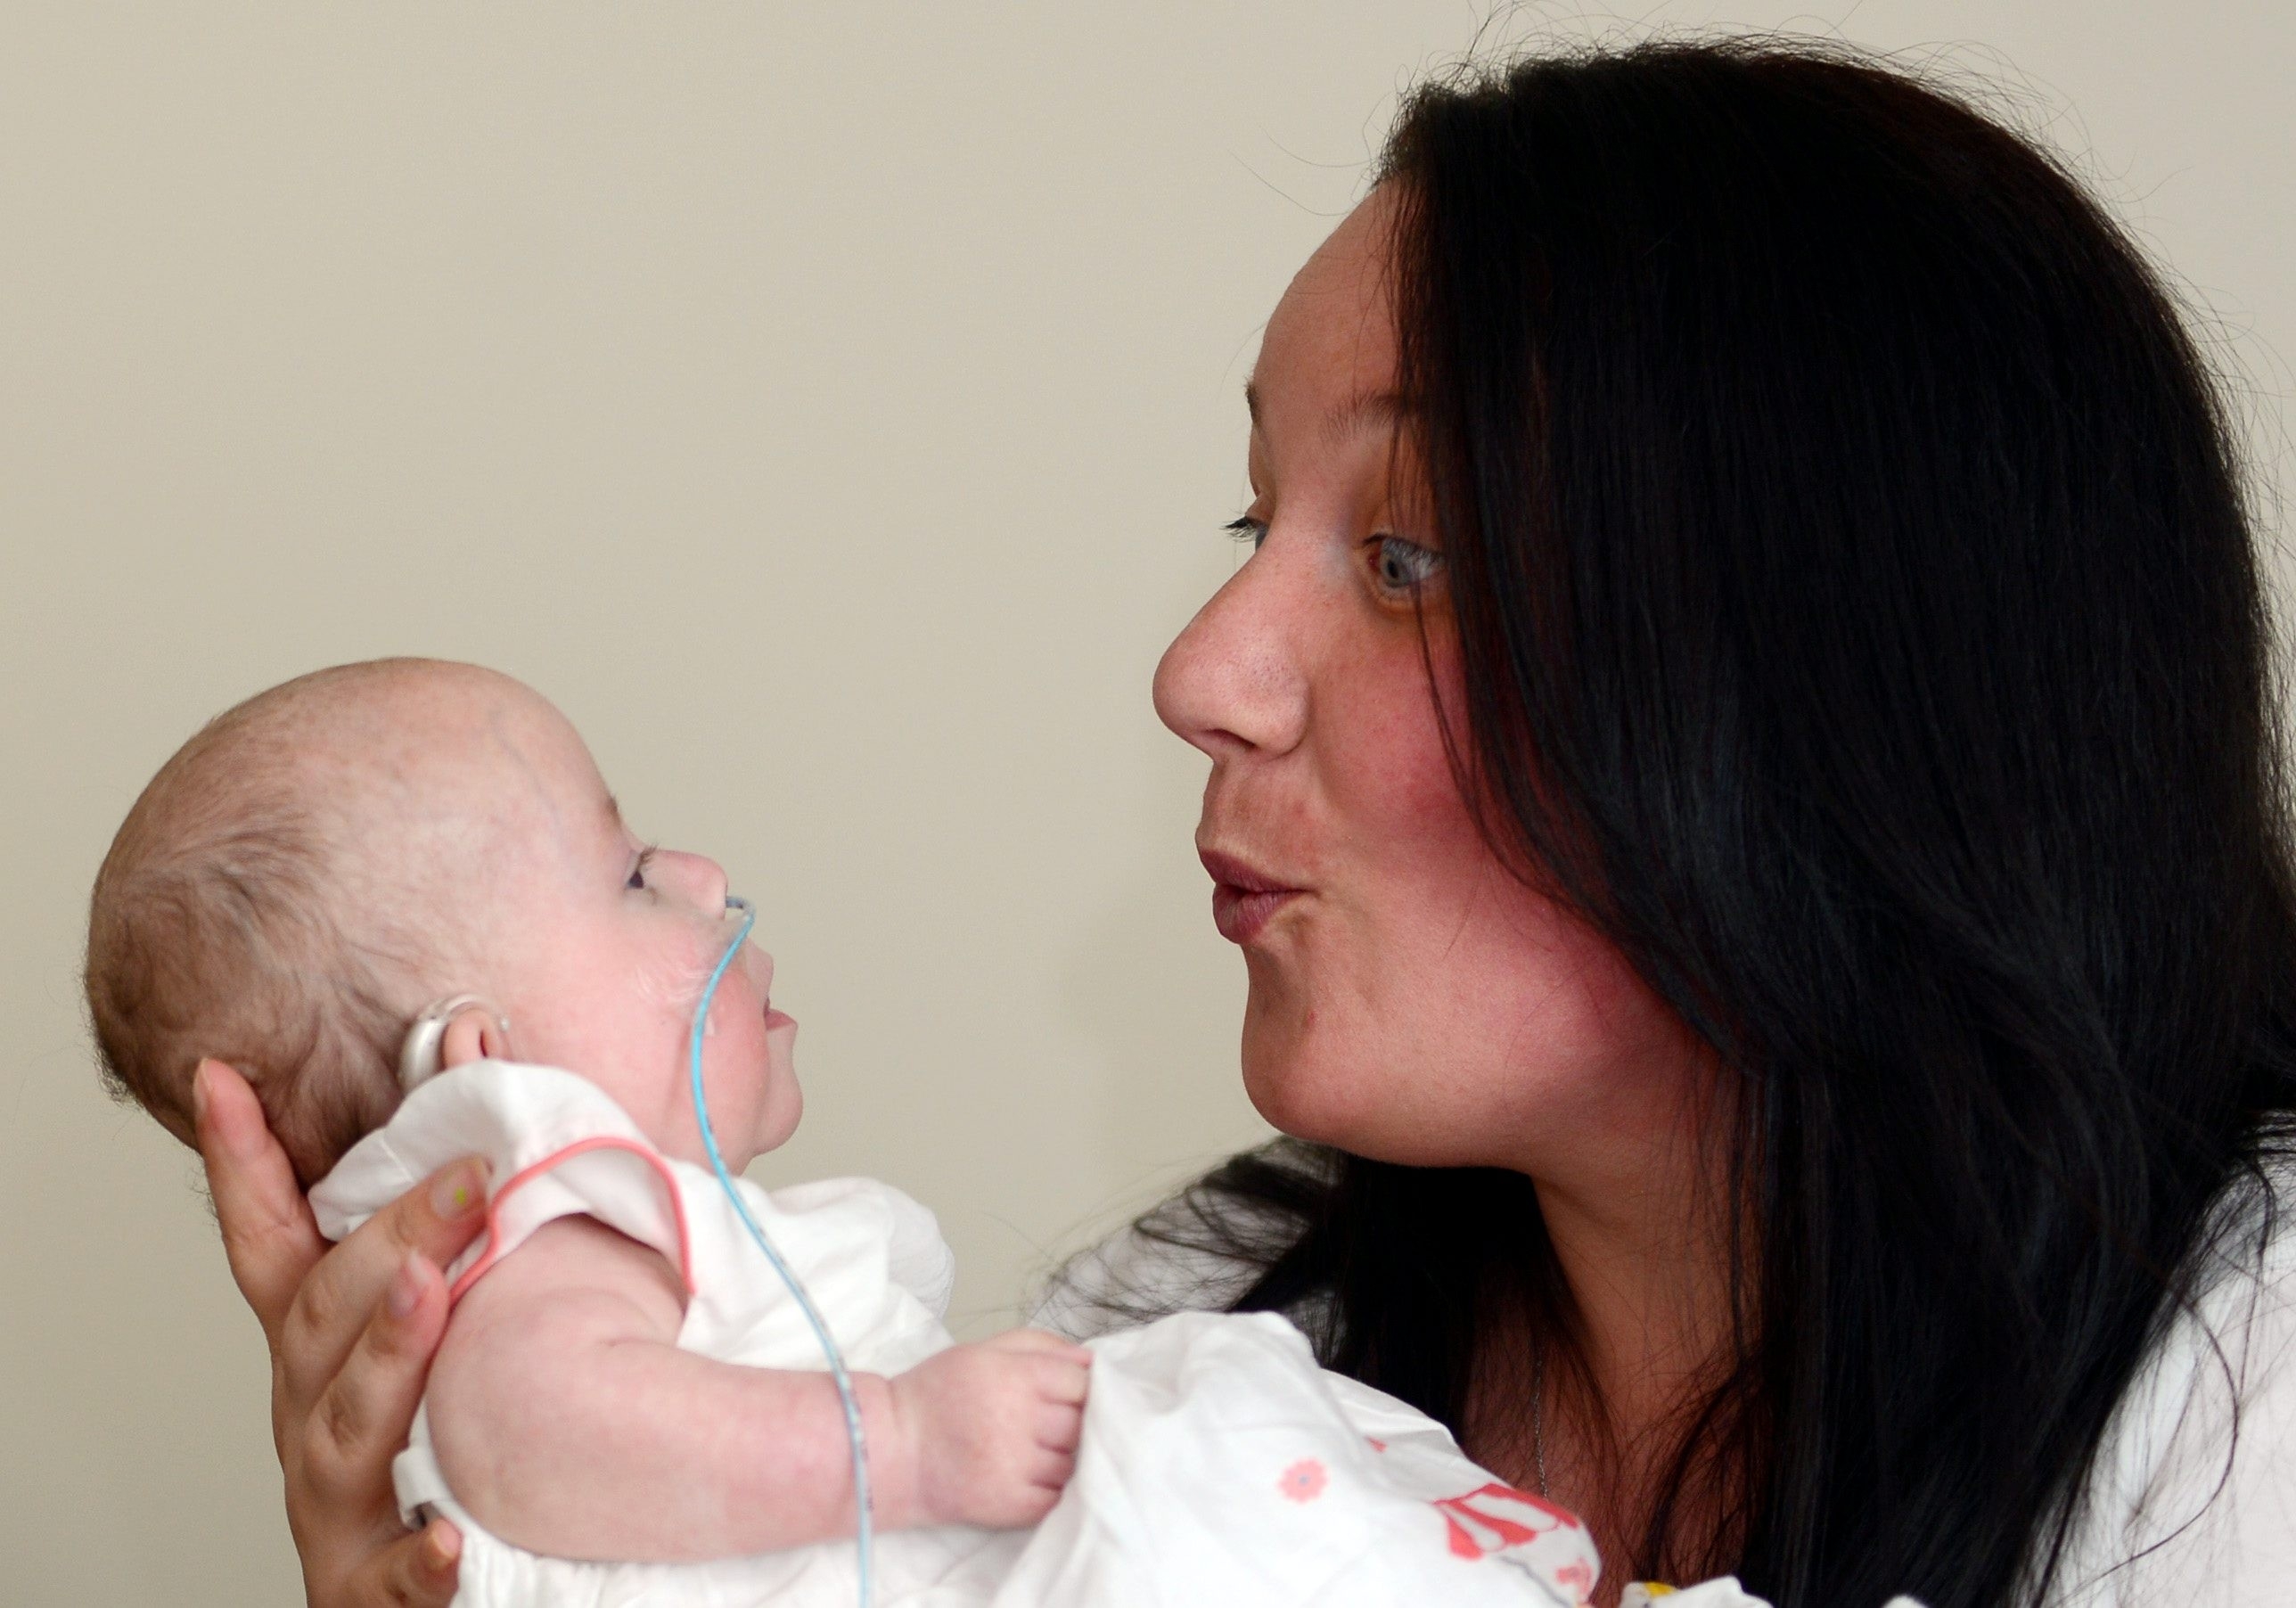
1327	362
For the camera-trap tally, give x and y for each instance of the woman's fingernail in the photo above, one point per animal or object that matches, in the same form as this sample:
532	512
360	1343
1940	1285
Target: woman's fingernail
461	1190
406	1290
231	1131
442	1544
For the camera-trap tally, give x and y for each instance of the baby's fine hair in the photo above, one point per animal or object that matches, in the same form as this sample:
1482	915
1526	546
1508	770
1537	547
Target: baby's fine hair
226	922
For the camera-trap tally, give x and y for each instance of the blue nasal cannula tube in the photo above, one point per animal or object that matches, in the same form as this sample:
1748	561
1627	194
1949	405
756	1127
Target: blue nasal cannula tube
862	1536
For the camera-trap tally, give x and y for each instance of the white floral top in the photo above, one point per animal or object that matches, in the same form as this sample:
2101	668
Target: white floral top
2179	1512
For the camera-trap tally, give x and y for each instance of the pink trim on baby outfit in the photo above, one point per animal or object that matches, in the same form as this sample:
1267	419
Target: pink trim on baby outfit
494	1253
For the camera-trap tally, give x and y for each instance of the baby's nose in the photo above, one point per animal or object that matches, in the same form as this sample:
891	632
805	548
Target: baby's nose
694	876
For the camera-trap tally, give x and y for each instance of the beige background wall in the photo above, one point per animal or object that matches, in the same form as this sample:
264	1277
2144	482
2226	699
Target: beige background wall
830	407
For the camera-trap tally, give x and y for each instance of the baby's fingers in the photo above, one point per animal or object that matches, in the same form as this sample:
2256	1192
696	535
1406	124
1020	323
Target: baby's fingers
1062	1380
1051	1471
1058	1428
1040	1341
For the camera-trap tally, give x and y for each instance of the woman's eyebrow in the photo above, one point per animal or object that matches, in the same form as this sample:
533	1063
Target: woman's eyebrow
1365	410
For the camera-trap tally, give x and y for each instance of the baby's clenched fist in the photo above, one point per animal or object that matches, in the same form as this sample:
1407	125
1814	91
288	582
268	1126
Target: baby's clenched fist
990	1429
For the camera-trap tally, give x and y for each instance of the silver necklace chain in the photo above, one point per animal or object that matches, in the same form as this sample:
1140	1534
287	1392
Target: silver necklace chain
1538	1416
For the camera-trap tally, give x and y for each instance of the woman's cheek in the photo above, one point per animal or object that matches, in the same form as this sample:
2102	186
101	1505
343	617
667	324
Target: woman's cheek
1395	787
1346	1024
1461	1008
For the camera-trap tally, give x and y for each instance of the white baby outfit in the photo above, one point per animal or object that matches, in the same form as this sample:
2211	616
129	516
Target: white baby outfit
1218	1464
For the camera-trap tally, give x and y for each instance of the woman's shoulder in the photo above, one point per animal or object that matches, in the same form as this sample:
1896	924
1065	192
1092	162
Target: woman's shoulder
2193	1495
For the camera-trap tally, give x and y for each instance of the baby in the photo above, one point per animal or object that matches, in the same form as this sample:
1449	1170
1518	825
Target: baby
628	1402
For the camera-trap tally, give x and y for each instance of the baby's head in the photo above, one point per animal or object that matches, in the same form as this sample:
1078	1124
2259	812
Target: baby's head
320	864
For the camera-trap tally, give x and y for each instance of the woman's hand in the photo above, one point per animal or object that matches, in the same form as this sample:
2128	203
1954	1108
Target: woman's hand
351	1330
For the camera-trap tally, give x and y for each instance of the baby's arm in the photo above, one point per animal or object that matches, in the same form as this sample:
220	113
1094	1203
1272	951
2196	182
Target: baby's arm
567	1421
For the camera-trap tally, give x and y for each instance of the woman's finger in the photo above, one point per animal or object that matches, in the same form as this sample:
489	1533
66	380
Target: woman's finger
417	1571
361	1418
267	1231
434	1221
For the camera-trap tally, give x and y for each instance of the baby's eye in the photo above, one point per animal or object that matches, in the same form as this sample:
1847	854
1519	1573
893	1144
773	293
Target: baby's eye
637	871
1405	566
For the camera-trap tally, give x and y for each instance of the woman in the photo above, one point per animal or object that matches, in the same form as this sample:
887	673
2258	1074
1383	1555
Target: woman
1744	771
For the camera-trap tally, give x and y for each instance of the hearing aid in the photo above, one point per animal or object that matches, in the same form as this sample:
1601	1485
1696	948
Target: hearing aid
418	1055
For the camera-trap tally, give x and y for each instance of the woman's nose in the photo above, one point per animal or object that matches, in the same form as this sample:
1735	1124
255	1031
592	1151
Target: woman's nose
692	876
1232	681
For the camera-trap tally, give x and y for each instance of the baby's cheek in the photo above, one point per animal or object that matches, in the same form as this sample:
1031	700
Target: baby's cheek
783	1106
749	1094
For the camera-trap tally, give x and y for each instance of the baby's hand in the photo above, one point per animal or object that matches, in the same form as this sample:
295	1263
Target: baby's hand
991	1428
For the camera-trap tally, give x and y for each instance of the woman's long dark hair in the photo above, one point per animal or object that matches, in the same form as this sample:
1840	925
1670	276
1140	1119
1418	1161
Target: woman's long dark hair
1861	629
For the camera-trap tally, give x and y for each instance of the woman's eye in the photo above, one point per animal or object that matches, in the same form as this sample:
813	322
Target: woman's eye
1405	566
1247	529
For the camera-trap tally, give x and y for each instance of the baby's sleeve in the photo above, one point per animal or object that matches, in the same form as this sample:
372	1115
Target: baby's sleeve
920	1260
555	1145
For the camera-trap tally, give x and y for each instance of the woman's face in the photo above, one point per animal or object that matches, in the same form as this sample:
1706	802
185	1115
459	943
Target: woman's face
1410	1001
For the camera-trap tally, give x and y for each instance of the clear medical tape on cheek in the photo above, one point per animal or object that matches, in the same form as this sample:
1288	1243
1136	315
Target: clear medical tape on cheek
863	1538
671	985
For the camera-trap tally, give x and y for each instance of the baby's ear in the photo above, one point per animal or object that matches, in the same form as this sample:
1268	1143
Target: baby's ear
474	1033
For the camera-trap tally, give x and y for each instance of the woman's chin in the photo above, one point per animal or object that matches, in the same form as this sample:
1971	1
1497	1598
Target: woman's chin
1365	1107
1305	1095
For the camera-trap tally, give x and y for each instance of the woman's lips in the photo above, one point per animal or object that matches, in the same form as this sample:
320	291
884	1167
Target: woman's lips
1239	915
1244	898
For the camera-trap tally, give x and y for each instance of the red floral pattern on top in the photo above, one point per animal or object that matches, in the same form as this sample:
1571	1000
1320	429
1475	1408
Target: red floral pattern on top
1485	1509
1303	1482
